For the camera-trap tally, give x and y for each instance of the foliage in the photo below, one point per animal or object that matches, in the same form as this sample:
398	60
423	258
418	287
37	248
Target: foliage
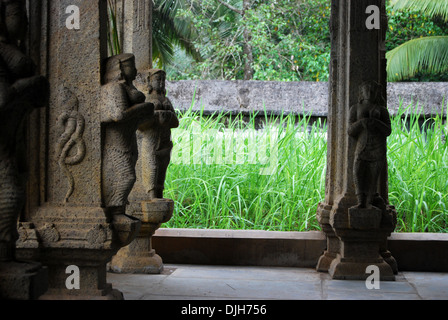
290	40
425	56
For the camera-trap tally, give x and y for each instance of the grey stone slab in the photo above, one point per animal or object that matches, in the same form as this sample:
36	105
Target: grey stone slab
247	273
292	97
233	289
430	286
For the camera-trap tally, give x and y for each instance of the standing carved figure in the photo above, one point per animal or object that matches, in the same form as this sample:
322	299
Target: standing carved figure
370	125
123	109
157	133
20	91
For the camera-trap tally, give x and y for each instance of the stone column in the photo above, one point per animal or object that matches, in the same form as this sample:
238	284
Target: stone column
137	31
356	233
22	90
65	200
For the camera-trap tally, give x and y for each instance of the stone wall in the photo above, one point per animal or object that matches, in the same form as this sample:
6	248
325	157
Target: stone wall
292	97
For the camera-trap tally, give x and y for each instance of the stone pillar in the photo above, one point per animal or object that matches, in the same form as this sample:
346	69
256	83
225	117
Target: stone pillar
65	200
137	31
356	233
22	90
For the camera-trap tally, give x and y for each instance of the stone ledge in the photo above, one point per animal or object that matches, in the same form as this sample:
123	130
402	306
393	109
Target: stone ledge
413	251
299	98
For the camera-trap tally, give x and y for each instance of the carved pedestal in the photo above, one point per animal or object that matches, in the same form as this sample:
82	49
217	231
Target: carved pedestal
139	256
88	244
360	245
22	280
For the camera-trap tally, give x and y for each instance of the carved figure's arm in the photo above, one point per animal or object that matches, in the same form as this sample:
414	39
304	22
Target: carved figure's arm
115	106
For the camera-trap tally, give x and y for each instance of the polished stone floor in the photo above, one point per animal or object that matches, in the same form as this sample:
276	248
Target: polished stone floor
192	282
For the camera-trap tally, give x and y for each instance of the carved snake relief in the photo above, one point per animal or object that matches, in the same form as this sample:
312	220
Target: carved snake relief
73	125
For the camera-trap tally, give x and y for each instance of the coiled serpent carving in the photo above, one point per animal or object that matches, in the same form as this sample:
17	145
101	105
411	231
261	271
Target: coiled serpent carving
73	124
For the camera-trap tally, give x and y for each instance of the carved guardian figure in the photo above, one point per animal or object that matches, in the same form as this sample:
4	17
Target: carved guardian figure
157	133
370	125
123	109
20	92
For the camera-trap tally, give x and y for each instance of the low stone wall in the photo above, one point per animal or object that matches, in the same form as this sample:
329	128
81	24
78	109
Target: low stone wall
412	251
292	97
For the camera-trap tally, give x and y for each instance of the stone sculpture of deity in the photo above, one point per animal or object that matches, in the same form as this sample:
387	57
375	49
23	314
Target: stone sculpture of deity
20	92
157	133
370	125
123	109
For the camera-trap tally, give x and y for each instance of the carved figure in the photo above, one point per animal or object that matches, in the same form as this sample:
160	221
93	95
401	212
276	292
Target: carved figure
122	111
370	125
157	133
73	125
20	92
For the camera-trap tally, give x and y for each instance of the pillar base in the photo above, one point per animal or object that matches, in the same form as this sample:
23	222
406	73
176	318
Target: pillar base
139	257
146	263
351	269
22	280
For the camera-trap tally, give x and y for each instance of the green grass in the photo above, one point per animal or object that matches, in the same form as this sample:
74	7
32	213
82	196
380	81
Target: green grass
221	173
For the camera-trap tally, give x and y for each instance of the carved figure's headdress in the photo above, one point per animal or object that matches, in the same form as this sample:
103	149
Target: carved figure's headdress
113	64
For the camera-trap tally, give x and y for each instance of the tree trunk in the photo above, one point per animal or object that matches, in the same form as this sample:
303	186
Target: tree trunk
247	47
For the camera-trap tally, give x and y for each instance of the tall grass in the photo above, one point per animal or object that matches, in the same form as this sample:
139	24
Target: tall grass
418	172
219	180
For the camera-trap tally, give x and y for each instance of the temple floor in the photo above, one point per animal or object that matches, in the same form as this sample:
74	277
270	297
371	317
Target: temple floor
198	282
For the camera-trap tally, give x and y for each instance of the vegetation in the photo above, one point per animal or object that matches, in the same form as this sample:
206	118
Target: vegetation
236	193
427	54
290	40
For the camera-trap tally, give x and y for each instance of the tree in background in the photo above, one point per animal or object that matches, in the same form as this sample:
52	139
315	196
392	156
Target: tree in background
423	55
170	31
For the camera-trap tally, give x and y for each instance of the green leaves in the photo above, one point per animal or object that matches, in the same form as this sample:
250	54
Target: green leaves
113	35
431	8
429	54
421	55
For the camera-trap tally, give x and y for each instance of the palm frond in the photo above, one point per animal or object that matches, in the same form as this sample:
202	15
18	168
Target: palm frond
429	54
431	8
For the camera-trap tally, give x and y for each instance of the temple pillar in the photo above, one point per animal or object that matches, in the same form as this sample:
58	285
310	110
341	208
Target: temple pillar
356	215
67	194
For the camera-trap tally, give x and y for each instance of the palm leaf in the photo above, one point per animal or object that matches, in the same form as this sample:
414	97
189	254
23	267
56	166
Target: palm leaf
429	54
170	31
431	8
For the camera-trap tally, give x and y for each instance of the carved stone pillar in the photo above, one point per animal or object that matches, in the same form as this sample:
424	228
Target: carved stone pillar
136	17
68	197
21	91
356	234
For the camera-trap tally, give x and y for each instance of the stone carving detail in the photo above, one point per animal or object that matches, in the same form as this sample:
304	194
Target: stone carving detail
123	109
370	126
20	92
72	123
157	135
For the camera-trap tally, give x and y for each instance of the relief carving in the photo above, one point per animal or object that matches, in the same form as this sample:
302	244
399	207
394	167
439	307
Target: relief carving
370	125
72	123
